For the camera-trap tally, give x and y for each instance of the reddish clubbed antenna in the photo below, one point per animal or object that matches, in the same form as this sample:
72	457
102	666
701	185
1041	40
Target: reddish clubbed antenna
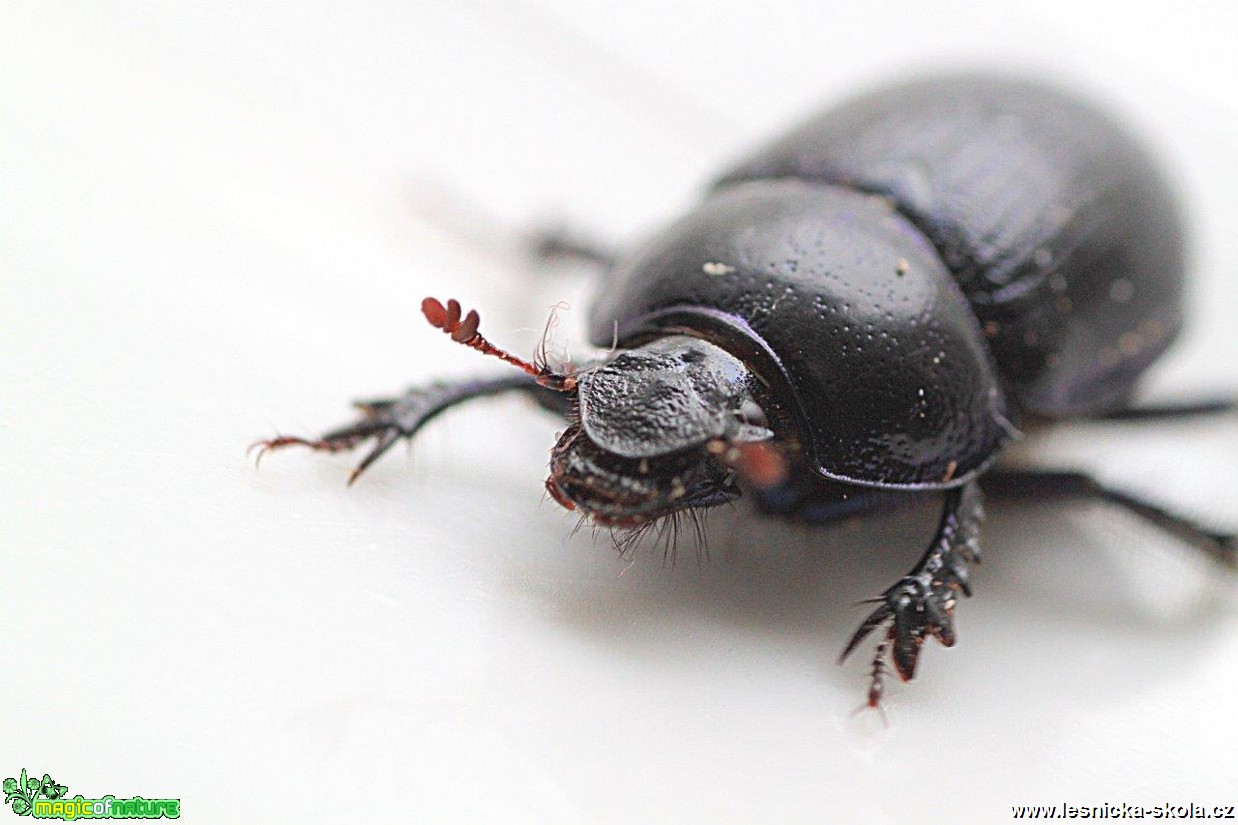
463	330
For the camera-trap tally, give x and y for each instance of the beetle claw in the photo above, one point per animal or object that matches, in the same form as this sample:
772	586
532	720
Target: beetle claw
877	618
387	420
324	444
921	604
383	420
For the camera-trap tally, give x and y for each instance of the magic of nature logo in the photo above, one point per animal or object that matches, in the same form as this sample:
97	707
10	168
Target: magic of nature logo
45	799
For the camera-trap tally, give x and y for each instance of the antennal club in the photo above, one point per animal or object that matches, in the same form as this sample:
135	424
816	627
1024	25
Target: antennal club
463	330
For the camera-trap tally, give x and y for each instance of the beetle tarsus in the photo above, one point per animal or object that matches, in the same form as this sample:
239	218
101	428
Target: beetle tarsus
261	448
387	420
877	684
921	604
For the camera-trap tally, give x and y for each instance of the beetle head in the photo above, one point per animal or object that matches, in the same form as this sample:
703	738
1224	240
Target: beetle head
662	428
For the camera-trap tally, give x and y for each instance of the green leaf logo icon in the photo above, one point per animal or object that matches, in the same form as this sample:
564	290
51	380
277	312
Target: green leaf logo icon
22	793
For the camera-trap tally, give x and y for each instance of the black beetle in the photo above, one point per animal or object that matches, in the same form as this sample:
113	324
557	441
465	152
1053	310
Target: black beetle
864	310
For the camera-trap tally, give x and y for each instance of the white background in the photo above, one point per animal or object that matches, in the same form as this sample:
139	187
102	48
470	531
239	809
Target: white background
217	221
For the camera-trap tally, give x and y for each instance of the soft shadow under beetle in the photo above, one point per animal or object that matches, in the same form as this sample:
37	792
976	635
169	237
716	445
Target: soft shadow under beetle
864	310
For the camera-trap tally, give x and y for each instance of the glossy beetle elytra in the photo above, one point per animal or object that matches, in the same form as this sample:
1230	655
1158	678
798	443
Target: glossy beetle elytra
864	310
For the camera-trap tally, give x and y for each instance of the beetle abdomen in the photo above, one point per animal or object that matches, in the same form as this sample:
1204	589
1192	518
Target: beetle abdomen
1062	234
843	308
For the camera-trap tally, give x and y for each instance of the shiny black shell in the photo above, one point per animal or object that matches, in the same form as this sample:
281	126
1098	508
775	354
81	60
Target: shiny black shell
911	270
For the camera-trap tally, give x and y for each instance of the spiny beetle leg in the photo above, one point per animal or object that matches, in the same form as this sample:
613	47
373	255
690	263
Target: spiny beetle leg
921	604
1175	410
387	420
1043	484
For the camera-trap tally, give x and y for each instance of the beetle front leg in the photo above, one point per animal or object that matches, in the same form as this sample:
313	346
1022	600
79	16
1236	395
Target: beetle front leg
921	604
387	420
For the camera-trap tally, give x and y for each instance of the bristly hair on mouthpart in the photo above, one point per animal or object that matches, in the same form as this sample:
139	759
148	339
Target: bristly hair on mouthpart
666	531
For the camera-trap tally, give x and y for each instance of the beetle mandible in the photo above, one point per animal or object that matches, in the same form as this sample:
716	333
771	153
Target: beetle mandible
863	311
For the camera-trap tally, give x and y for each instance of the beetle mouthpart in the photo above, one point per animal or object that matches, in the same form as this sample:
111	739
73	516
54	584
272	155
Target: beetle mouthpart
616	491
557	494
464	330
